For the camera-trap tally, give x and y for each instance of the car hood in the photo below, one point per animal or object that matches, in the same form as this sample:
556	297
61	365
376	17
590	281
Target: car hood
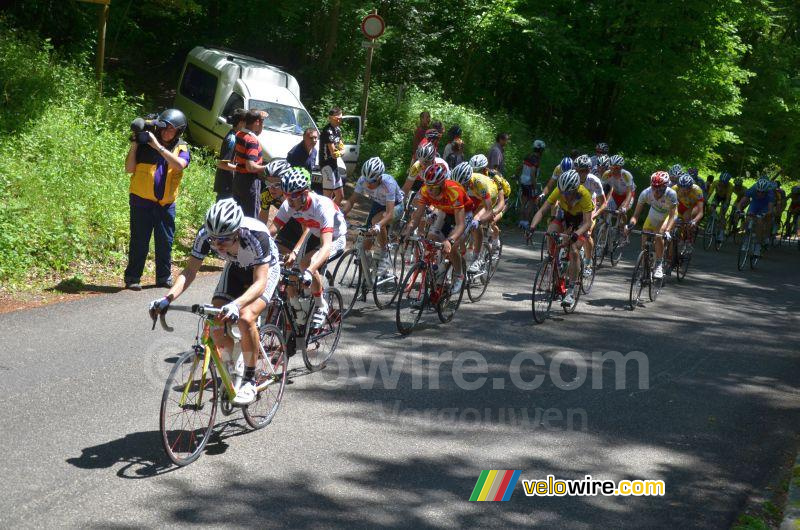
276	144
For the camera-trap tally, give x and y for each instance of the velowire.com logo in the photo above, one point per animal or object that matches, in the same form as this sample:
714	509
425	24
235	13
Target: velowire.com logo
495	485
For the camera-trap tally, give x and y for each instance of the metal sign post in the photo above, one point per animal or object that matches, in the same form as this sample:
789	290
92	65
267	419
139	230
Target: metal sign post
372	26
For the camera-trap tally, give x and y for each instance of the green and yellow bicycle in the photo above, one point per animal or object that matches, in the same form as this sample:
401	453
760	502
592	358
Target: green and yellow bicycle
196	386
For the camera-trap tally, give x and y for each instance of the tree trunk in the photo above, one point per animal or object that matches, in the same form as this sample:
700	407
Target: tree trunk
333	33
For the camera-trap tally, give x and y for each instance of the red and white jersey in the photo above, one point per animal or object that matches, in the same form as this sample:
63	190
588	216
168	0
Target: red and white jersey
320	214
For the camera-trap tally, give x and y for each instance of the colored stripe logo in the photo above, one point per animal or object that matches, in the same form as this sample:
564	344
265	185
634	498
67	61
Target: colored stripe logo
495	485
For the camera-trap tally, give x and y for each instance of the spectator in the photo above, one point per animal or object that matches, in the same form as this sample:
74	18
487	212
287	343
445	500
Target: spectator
330	150
456	155
249	161
455	134
157	169
304	155
528	173
496	154
223	181
419	134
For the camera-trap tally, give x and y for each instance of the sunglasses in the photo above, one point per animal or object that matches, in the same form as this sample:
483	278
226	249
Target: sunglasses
222	239
296	195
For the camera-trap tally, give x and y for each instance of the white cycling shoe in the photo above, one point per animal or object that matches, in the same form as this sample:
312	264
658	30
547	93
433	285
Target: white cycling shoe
246	394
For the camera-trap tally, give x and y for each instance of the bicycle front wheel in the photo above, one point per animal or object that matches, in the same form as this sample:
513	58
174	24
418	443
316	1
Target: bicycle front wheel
710	233
477	282
387	283
637	282
347	278
600	244
744	252
683	264
617	246
271	370
588	281
188	408
412	299
449	298
542	296
321	342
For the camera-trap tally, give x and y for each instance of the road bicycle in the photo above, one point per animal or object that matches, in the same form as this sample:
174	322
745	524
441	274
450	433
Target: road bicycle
714	224
489	257
680	249
643	271
610	239
428	285
749	240
357	273
317	344
550	282
200	382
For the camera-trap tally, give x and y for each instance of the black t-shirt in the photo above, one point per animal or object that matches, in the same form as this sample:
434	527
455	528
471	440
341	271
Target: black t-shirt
299	157
329	135
224	178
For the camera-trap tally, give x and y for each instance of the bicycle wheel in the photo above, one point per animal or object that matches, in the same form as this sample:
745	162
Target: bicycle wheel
654	286
449	300
744	251
683	264
637	281
347	278
412	299
577	292
709	234
386	285
617	246
600	244
542	245
188	408
587	282
320	343
495	254
270	377
477	282
542	296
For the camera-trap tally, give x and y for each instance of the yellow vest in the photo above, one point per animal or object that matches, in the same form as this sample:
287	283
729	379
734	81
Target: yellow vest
143	178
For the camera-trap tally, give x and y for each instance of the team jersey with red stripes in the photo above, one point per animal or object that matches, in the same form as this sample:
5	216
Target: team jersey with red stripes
320	214
452	198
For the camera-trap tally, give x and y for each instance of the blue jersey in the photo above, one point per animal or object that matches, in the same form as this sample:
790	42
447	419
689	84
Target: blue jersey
759	205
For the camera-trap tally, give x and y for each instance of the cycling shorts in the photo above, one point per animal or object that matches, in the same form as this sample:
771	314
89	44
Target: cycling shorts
331	179
235	280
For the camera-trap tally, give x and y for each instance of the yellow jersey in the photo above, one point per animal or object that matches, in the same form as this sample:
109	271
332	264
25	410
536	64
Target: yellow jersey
482	188
582	205
691	197
501	183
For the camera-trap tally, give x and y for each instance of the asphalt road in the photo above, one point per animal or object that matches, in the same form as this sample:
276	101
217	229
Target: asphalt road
397	431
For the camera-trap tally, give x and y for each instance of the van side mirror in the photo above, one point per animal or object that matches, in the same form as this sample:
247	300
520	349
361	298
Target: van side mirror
222	120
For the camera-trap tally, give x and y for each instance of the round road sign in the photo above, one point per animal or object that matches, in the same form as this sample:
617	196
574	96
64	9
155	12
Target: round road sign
372	26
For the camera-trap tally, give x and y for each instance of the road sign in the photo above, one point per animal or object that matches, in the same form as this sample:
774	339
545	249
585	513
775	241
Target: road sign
373	26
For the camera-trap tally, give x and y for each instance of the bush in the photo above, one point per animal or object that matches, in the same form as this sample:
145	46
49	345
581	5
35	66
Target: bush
62	181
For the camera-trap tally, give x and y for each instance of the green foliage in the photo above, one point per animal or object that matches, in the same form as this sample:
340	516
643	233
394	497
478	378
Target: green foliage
62	180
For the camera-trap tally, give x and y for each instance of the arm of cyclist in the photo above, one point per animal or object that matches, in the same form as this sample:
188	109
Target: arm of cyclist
671	217
586	224
634	217
388	215
500	206
347	205
539	214
291	257
182	282
415	219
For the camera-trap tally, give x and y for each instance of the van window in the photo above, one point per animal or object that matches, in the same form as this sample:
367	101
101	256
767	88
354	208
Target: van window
235	101
199	86
283	118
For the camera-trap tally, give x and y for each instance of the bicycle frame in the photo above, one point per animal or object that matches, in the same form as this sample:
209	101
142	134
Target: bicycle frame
430	259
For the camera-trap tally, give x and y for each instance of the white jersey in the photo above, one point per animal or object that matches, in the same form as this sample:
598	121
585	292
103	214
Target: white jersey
659	207
320	214
256	246
595	187
387	191
619	185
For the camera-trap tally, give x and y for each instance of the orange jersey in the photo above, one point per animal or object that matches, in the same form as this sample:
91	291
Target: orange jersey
452	198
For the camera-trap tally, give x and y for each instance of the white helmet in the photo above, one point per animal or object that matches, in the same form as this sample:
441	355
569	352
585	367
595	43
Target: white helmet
223	218
675	170
426	152
276	166
479	162
539	144
569	181
373	169
462	173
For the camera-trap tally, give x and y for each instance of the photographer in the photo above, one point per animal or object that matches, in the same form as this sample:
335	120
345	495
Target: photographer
156	160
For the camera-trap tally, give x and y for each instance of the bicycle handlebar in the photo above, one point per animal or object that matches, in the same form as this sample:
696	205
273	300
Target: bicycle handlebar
431	242
196	309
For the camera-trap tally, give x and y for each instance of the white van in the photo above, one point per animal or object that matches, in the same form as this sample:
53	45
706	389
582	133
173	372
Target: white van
216	81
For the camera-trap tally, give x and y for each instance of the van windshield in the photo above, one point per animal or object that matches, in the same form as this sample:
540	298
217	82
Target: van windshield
283	118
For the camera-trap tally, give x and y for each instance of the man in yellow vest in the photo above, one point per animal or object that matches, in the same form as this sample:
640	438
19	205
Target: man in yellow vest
156	168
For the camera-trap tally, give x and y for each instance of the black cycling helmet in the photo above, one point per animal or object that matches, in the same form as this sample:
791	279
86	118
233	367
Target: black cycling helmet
175	118
455	131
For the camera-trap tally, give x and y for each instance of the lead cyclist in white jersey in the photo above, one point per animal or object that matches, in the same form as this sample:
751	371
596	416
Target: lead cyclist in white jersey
245	286
320	217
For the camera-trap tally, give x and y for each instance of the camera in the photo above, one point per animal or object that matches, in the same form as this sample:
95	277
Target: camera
141	126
